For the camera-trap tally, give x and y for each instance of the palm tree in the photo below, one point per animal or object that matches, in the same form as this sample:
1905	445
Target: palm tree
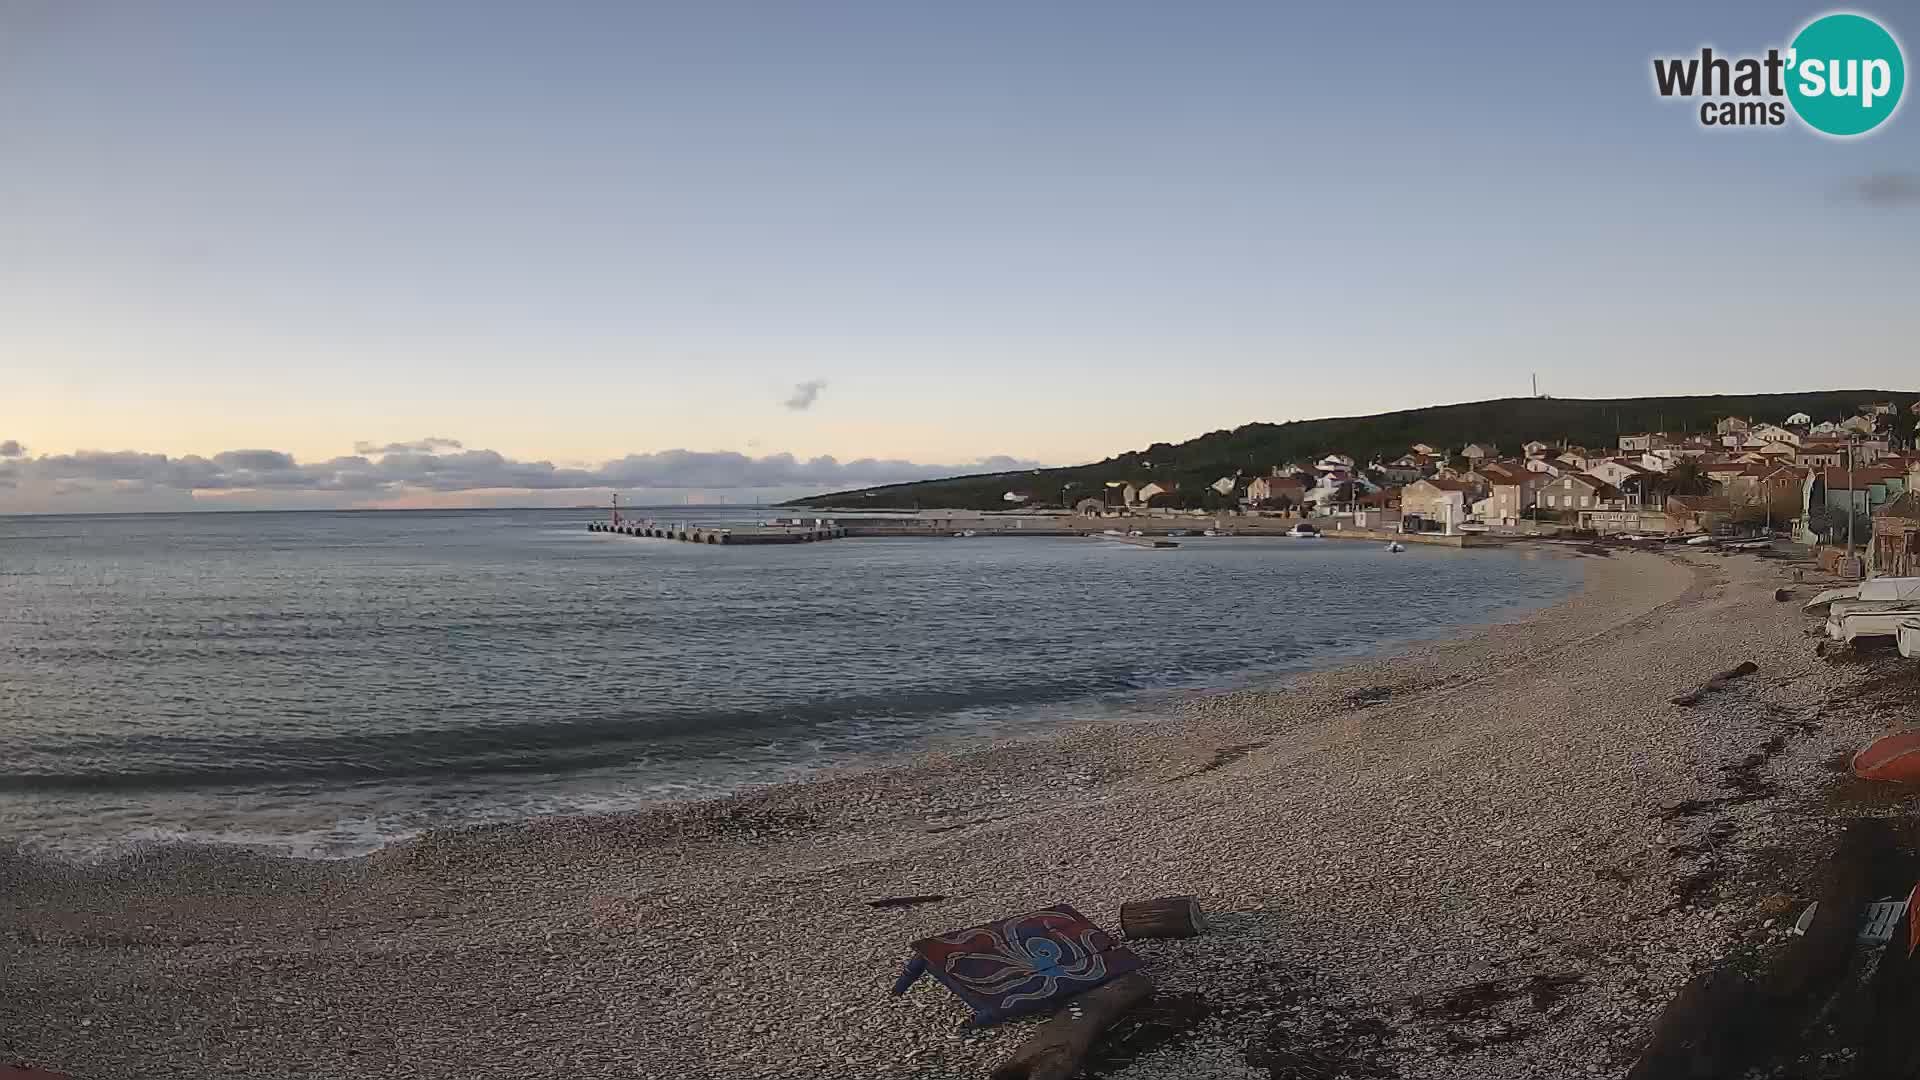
1685	478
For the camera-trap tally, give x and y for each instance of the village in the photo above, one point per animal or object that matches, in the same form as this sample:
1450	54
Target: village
1846	485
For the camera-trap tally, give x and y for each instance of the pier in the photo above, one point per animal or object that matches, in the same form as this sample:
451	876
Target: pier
1141	532
1136	541
699	534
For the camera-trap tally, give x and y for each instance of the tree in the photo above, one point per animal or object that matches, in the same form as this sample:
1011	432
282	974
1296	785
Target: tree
1685	478
1829	522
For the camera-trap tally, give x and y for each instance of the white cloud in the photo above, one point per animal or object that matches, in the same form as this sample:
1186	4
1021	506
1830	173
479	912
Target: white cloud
805	394
437	465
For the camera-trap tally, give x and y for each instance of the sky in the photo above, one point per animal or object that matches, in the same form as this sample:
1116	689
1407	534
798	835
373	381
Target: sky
699	250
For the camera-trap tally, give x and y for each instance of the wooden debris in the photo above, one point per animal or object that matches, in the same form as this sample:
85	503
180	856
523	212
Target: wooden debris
1167	917
905	901
1057	1049
1718	682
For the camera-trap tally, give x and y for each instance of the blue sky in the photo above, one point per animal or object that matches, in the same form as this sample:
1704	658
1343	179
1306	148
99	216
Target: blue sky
574	232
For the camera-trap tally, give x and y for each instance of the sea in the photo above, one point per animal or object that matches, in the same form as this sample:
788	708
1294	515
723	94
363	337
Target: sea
320	684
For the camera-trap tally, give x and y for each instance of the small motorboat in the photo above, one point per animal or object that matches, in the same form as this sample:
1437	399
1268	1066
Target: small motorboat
1395	545
1700	541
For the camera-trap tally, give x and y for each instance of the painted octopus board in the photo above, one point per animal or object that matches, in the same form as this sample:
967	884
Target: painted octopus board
1021	964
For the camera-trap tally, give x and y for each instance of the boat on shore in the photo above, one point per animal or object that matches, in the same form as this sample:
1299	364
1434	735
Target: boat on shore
1396	546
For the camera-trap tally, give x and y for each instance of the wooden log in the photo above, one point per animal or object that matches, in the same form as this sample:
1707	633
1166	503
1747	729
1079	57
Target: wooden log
1056	1051
1167	917
1747	667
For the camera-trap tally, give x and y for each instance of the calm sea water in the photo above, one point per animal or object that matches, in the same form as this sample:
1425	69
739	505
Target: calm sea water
319	683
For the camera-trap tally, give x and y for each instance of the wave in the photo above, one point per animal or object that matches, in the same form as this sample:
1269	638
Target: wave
619	737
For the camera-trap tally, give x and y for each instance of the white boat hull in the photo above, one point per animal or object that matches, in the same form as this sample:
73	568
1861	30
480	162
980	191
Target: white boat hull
1909	638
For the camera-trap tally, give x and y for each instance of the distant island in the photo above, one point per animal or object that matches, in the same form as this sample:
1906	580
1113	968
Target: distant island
1506	424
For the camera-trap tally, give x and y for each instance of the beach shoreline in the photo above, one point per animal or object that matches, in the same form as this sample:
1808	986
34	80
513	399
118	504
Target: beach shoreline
1421	819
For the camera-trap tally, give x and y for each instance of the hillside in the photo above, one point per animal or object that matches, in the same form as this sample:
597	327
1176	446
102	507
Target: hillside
1255	448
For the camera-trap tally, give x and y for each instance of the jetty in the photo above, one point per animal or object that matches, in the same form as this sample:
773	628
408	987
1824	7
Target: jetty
1136	541
707	534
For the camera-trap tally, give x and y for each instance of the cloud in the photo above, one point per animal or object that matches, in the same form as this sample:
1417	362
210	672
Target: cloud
805	394
12	448
1888	189
399	469
428	445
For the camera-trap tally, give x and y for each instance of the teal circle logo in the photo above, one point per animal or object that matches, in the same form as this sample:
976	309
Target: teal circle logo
1845	73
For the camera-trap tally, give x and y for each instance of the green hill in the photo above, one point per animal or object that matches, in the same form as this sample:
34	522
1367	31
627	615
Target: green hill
1255	448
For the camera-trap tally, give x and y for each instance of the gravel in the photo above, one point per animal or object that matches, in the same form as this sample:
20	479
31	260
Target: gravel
1476	813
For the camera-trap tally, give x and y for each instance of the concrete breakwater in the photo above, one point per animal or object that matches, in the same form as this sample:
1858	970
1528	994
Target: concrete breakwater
697	534
945	527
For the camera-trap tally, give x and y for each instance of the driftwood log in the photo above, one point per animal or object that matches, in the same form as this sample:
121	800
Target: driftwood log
1056	1051
1167	917
1718	682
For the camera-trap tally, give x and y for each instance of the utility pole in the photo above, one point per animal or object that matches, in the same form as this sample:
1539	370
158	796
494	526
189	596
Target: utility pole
1851	441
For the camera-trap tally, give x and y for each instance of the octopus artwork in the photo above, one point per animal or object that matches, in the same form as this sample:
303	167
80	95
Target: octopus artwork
1020	964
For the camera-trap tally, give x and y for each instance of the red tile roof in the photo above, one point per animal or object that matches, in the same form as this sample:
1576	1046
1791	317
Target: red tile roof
1862	474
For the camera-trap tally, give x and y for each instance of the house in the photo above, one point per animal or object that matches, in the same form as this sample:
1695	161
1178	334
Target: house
1425	451
1775	487
1629	476
1821	455
1225	484
1799	420
1089	507
1404	470
1127	493
1550	466
1157	489
1862	424
1577	458
1274	489
1538	449
1512	490
1732	425
1609	522
1766	433
1826	429
1828	495
1438	499
1698	513
1580	491
1772	448
1880	408
1645	441
1896	538
1475	452
1724	472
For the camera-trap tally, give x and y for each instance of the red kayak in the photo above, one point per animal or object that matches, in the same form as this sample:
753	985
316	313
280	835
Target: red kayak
1895	757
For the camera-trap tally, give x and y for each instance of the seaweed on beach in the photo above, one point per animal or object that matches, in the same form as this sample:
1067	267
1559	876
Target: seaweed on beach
1367	696
1227	755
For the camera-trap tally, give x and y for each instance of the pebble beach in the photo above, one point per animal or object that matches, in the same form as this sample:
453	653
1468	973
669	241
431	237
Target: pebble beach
1496	855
